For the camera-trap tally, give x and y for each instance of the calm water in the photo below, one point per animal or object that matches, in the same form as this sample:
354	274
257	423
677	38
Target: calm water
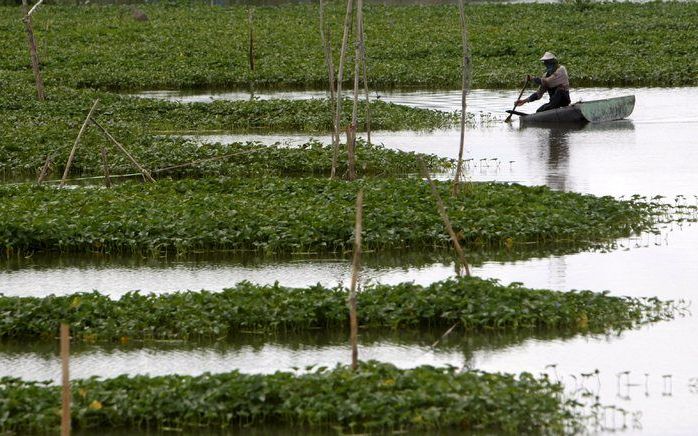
651	371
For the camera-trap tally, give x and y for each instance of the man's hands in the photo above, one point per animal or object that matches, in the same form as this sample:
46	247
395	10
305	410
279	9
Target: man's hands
521	102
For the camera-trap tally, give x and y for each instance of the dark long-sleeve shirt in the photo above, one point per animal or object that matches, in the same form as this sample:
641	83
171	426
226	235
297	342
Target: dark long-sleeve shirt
558	79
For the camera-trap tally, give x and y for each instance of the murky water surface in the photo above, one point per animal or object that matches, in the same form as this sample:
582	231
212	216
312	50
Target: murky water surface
651	370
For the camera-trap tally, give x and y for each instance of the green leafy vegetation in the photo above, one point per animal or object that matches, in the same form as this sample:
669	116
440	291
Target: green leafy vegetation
31	130
377	397
298	215
184	45
477	304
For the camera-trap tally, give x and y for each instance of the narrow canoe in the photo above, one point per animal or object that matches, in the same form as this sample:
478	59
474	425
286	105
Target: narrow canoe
595	111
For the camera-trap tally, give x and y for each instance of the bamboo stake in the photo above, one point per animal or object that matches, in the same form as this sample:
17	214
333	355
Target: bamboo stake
77	141
40	95
146	174
446	220
351	143
45	169
65	366
105	165
355	269
362	42
251	40
327	47
466	77
340	78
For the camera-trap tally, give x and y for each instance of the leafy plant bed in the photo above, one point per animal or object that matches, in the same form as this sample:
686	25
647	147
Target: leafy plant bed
476	304
184	45
31	130
300	215
376	397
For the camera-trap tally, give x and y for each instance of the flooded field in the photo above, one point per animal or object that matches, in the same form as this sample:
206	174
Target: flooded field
649	372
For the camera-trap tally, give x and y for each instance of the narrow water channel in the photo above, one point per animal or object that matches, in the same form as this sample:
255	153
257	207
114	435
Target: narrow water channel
650	371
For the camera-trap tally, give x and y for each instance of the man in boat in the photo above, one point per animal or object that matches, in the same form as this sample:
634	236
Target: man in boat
555	81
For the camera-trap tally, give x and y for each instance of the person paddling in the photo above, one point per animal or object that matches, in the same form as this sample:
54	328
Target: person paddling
556	82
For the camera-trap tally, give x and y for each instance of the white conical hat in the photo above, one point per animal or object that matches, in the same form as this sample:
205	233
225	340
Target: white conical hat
548	56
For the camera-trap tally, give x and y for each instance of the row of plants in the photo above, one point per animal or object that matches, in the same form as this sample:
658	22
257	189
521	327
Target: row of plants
377	397
186	45
271	214
476	304
31	130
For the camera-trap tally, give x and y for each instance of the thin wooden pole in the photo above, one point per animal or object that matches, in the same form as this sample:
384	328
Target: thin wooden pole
27	19
362	42
466	79
105	165
77	141
327	47
340	78
45	169
65	366
446	220
351	144
146	174
355	269
251	39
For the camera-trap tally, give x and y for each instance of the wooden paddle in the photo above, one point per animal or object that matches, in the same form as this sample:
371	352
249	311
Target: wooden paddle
508	119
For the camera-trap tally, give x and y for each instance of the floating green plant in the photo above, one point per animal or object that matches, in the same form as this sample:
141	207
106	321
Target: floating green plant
180	46
476	304
271	214
377	397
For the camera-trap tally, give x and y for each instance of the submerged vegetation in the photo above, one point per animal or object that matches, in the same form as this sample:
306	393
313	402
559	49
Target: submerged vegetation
272	214
377	397
476	304
184	45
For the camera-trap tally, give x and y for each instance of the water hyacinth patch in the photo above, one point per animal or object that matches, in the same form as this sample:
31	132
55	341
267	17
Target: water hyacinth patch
378	397
181	44
476	304
31	130
297	215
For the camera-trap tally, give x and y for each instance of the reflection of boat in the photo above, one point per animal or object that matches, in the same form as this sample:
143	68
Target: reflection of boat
595	111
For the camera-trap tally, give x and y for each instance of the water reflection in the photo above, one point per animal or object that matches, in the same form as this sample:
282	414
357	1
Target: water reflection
261	353
44	274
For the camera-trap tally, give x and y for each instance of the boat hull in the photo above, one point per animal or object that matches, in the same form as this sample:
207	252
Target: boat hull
595	111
